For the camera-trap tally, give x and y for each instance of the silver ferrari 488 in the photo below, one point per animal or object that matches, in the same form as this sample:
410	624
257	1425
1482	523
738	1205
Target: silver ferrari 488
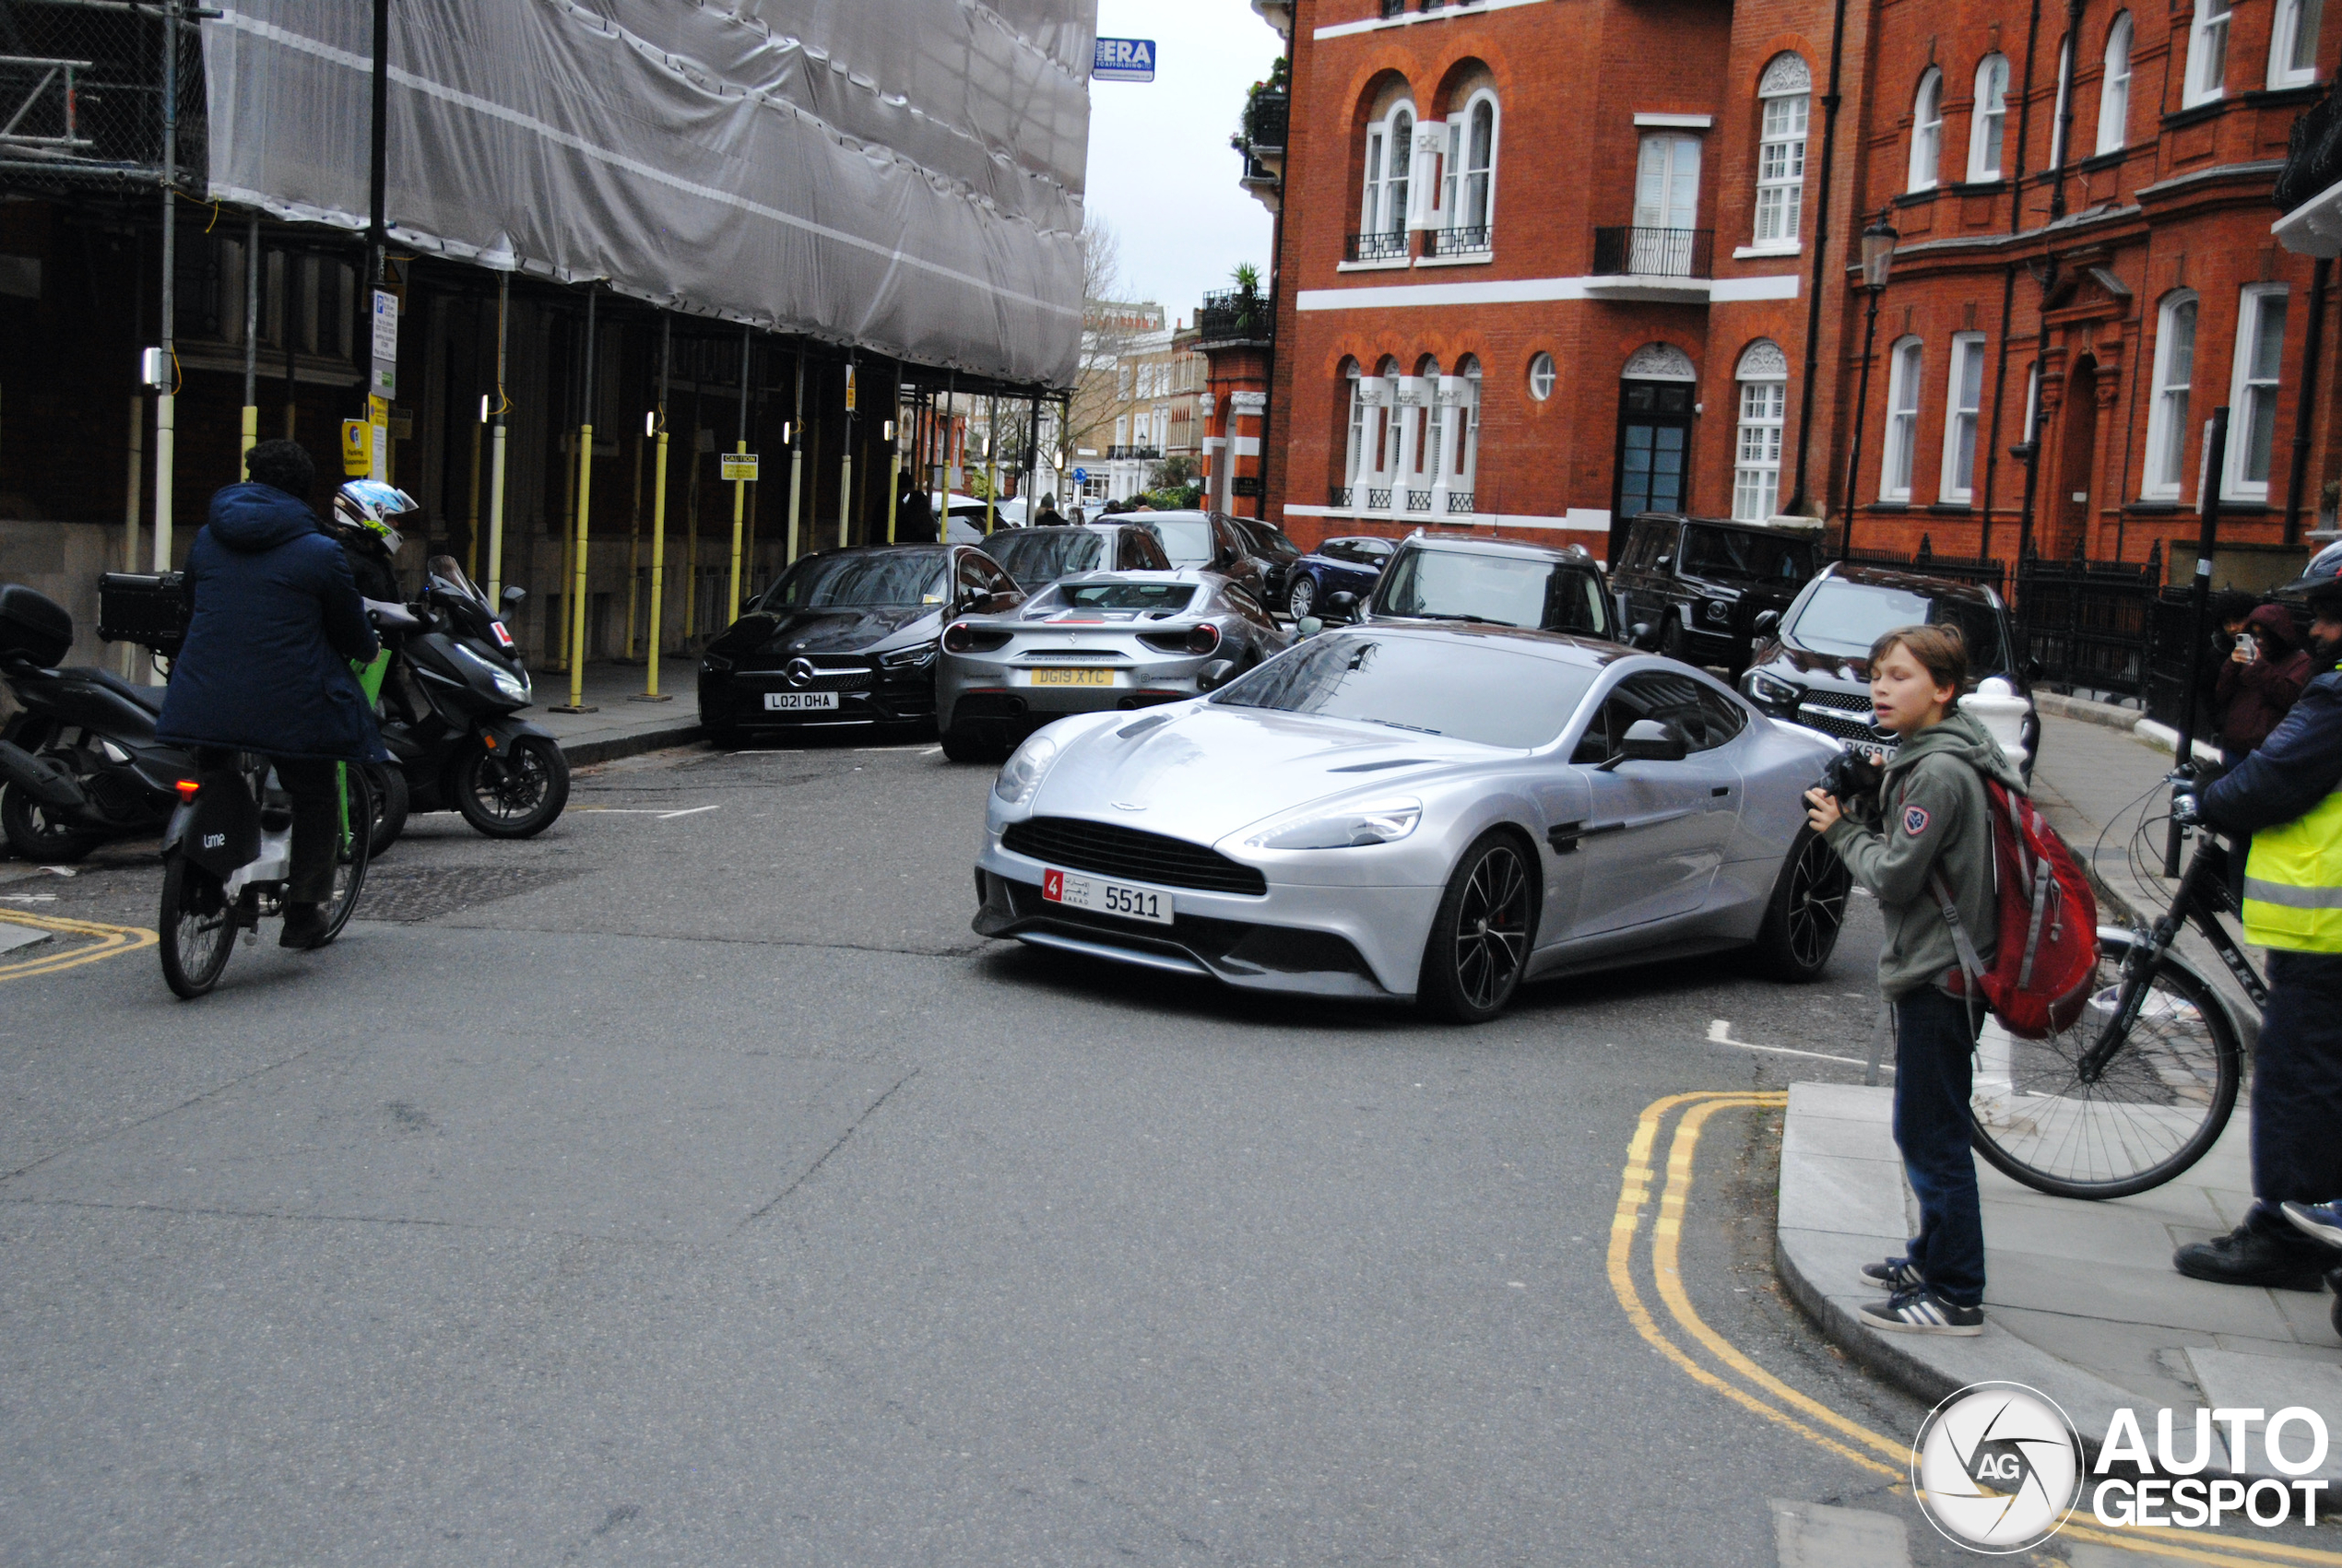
1434	813
1097	640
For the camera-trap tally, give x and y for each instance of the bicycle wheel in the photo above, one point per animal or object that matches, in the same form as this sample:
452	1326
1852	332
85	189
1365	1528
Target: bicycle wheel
349	864
2154	1111
197	927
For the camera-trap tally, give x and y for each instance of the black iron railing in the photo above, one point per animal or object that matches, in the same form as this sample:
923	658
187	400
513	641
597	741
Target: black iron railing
1236	315
1654	253
1148	452
1378	500
1460	501
1387	245
2314	160
1418	500
1464	240
1266	120
1338	495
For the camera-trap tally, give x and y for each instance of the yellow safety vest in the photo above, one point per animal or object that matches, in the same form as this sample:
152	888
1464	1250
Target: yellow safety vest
2294	882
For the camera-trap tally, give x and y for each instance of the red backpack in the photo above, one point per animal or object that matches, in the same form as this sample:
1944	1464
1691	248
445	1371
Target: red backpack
2047	953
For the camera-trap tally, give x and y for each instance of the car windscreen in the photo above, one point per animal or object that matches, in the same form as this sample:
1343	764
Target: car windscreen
1269	541
1186	540
1035	556
1163	598
1732	554
835	582
1845	618
1546	595
1491	694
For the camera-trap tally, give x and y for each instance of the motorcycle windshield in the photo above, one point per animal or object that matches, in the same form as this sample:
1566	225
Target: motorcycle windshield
448	572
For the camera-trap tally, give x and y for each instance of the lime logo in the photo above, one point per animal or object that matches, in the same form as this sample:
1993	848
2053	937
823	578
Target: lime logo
1997	1467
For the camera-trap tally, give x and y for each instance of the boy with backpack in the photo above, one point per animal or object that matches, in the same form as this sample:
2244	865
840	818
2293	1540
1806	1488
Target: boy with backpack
1926	838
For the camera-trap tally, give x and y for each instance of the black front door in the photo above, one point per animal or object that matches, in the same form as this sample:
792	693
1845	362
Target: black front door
1654	447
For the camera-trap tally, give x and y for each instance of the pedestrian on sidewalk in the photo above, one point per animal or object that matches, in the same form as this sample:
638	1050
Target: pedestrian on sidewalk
1928	829
2288	797
2259	681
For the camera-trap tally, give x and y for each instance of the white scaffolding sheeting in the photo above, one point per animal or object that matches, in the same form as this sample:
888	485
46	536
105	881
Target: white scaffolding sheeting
905	176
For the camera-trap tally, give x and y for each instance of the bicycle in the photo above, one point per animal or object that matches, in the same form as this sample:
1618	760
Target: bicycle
227	857
2142	1084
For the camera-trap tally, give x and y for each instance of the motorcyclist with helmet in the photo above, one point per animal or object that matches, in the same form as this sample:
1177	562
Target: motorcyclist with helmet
362	520
274	622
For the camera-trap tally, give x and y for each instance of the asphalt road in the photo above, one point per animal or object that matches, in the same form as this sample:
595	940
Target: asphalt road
689	1185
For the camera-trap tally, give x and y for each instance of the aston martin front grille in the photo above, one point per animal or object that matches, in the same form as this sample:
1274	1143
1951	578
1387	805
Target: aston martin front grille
1111	850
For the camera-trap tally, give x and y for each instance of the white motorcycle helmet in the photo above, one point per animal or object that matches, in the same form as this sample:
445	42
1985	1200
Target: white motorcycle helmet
369	504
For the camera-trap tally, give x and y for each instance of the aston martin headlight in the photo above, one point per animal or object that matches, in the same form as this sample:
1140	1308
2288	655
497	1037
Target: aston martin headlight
1022	777
1350	826
917	656
1770	690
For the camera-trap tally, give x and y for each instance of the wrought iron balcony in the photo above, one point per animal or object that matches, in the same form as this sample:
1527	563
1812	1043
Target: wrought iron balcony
1144	453
1338	496
1654	253
1232	315
1266	120
1465	239
1458	502
1391	245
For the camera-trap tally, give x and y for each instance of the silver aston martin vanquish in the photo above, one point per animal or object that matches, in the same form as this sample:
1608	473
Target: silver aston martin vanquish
1416	812
1096	639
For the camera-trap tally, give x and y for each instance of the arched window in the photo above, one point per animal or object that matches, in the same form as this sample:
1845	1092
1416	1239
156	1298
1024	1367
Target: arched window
1424	417
2057	104
1385	422
2167	430
1466	467
2207	53
2114	89
1354	447
1382	214
1472	175
1903	370
1963	407
1989	119
1787	91
2293	47
1763	396
1927	130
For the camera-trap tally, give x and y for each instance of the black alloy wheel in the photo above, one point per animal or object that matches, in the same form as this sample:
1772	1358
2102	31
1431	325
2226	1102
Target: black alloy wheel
197	927
1806	912
38	834
1479	944
1303	597
516	791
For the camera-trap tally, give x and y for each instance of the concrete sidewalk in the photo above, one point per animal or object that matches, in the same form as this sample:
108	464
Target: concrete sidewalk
2083	1302
620	726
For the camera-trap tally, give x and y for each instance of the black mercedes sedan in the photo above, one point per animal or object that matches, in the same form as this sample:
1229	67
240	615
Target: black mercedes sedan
846	638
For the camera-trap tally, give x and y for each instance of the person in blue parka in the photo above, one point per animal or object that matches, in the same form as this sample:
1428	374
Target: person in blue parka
273	621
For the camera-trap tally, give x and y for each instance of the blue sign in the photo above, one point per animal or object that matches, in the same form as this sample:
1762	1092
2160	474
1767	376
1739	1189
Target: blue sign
1123	60
1080	475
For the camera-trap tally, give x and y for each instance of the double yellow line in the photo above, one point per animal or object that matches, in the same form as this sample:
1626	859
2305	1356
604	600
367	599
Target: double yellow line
111	940
1713	1361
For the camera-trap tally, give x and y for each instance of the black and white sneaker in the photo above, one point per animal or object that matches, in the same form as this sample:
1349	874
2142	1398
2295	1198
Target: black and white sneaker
1895	1274
1920	1310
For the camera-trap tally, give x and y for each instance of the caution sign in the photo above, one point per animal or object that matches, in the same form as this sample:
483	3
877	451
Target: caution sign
736	466
357	449
849	389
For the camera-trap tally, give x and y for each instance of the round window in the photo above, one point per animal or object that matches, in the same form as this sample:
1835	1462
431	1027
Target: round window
1541	377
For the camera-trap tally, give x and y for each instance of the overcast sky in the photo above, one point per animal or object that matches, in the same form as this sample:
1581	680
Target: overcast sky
1161	171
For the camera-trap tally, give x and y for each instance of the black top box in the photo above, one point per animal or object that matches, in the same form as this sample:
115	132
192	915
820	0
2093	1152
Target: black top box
33	624
145	607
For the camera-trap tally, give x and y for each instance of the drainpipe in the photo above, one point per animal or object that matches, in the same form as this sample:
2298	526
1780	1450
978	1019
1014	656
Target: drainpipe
2072	55
2320	275
1797	502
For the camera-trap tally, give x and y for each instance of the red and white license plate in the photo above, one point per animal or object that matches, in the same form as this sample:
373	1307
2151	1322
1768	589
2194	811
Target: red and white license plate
1132	901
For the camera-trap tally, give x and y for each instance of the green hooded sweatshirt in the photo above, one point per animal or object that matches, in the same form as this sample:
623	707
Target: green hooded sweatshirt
1934	815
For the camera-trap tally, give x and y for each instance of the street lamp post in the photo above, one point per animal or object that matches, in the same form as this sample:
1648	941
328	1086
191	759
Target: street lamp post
1878	260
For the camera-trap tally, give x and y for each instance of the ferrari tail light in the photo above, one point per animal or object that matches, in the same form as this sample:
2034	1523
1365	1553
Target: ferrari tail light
1204	639
961	637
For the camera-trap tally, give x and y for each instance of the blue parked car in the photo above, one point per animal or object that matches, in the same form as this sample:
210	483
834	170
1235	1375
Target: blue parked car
1338	566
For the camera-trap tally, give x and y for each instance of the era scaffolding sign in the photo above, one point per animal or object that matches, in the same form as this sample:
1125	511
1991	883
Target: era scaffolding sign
1123	60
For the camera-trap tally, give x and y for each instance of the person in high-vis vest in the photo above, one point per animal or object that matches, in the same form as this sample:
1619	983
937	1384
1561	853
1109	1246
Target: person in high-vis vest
2287	796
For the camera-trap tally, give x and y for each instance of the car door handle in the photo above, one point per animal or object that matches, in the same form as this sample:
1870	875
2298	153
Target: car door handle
1719	789
1565	836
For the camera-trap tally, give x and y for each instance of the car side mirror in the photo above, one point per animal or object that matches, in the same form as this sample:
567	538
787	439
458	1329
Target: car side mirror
1765	622
1662	563
2032	670
514	595
1308	626
1343	604
1215	675
1648	740
1643	635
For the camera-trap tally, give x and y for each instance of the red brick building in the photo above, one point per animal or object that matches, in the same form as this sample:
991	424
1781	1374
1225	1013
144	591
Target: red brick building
1544	264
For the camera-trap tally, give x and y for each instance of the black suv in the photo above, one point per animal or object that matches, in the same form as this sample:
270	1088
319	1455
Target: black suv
1813	668
1469	577
1701	582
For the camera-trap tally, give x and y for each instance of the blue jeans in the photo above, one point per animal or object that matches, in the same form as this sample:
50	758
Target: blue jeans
2297	1088
1933	1070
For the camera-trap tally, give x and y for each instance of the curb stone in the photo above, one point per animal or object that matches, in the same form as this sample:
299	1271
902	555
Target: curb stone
586	753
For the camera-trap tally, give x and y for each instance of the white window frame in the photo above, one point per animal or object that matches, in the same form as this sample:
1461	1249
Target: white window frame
1385	427
1898	455
1987	121
1785	99
2208	50
1963	419
1460	162
1927	132
2293	43
2114	89
1466	473
1542	368
1761	414
1356	451
2253	397
1389	166
2058	104
2165	475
